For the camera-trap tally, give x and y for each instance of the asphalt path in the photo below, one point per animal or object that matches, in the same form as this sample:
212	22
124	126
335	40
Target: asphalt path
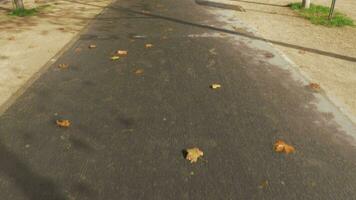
132	118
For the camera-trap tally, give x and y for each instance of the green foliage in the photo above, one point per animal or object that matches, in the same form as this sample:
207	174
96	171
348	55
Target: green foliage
24	12
319	15
29	12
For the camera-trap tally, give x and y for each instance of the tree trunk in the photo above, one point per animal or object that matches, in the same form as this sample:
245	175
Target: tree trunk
306	4
18	4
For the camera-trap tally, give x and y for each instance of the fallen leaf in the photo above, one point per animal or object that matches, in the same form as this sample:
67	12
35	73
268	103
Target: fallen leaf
121	52
282	147
92	46
268	55
139	71
193	154
115	58
149	45
215	86
264	184
77	50
63	123
63	66
315	86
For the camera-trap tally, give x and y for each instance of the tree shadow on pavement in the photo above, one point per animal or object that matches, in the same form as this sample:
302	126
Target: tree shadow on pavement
33	185
232	32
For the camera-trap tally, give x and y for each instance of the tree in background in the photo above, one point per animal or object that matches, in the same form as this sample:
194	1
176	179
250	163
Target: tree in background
18	4
306	3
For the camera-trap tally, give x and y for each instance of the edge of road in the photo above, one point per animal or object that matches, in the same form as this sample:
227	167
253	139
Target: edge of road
340	106
7	104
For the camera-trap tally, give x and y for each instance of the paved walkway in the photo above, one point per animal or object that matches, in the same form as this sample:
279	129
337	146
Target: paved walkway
129	127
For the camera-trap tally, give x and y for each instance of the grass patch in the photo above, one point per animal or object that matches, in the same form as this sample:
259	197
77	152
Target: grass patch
28	12
24	12
319	15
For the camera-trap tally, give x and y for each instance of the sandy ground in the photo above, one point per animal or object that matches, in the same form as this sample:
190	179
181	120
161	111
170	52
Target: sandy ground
324	55
27	44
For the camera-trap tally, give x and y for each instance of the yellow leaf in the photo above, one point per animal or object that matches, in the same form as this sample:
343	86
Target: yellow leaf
63	123
63	66
121	52
282	147
115	58
215	86
92	46
149	45
264	184
139	71
193	154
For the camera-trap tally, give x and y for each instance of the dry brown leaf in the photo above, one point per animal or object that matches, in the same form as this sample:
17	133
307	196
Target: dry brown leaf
77	50
113	58
281	147
193	154
121	52
139	71
264	184
149	45
92	46
315	86
63	123
268	55
215	86
63	66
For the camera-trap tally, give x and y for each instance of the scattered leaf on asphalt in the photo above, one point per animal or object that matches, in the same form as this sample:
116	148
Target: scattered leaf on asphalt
282	147
63	123
139	71
263	184
149	45
193	154
215	86
113	58
92	46
77	50
121	52
63	66
315	86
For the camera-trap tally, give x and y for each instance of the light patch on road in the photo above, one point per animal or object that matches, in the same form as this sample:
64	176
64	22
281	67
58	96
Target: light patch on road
323	102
